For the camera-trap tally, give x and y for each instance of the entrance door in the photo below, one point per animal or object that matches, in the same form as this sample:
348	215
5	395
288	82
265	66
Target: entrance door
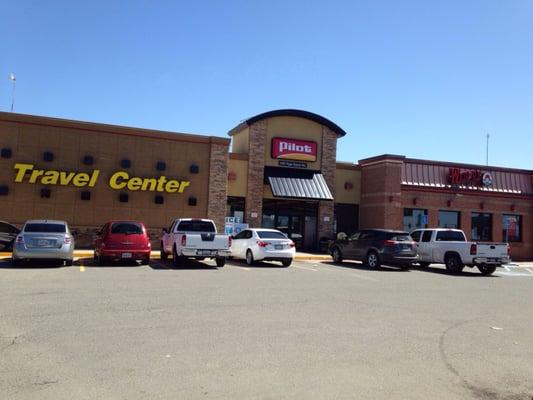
310	233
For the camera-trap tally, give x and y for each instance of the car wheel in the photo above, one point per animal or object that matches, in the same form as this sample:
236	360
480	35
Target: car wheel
16	262
454	265
221	261
486	269
424	264
101	260
146	261
68	263
287	262
249	257
177	260
164	255
405	267
336	255
372	259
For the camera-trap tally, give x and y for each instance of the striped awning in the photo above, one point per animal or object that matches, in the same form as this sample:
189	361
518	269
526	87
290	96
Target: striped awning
313	187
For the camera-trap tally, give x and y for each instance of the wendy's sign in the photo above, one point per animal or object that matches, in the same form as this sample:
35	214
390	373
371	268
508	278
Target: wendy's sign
292	149
475	177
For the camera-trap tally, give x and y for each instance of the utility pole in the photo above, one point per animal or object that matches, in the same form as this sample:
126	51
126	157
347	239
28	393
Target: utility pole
488	136
14	81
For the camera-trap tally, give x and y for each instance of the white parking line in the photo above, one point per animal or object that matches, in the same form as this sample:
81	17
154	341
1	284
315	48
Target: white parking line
245	268
351	272
306	268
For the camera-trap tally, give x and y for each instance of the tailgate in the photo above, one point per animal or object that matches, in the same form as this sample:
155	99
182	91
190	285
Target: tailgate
207	241
494	250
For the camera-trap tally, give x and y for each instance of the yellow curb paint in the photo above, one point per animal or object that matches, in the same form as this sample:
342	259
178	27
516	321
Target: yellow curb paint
82	268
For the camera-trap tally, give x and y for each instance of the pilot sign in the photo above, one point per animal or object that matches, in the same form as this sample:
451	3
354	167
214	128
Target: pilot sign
292	149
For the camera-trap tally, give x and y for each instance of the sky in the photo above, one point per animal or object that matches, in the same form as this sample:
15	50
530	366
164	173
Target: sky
421	79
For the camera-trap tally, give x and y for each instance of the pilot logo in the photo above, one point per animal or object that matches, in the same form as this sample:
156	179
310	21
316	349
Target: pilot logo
486	179
291	149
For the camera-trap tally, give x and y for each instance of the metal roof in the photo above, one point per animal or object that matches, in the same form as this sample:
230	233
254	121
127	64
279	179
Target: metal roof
315	188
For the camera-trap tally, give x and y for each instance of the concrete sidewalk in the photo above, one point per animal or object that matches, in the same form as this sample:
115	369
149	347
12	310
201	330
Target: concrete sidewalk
156	255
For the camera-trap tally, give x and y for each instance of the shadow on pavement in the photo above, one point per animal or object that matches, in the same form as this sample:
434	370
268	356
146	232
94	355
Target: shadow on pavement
360	266
186	264
90	262
467	271
258	264
34	264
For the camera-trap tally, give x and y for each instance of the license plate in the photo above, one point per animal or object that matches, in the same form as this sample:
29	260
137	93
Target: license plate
278	246
126	255
43	243
406	247
205	252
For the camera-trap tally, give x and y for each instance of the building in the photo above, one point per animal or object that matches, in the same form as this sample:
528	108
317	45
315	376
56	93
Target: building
281	172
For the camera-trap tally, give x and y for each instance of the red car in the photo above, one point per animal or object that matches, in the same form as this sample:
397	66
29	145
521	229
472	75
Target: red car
122	241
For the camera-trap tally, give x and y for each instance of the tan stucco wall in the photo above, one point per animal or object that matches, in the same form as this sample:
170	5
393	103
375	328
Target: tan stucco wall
293	128
240	141
240	169
342	195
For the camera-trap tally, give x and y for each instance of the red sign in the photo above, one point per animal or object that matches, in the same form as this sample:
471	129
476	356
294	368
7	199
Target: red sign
292	149
471	176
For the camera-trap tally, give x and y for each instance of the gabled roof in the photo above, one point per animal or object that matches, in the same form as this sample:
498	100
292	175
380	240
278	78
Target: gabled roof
290	113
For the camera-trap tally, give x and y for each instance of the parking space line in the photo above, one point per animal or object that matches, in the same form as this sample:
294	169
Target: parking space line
245	268
351	272
306	268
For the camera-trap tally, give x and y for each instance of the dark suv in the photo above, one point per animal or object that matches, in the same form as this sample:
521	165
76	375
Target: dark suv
375	247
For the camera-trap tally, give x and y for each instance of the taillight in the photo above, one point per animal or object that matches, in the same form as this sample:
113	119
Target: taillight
229	241
68	240
291	244
473	249
261	243
20	239
389	242
183	240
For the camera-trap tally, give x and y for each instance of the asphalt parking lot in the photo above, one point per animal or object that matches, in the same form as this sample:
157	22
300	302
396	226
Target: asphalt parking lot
311	331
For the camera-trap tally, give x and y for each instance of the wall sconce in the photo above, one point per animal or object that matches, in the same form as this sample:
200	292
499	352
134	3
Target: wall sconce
123	197
348	185
192	201
86	195
4	190
125	163
88	160
194	169
48	156
5	152
160	166
414	201
232	176
45	193
159	199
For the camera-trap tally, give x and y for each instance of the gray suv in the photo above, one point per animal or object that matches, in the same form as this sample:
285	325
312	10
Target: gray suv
44	240
375	247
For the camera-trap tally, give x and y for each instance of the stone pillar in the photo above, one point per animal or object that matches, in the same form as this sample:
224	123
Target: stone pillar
329	162
256	167
218	184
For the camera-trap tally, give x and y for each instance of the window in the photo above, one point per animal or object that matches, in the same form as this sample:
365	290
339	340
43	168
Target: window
512	228
196	226
414	218
271	235
126	228
416	235
398	236
450	236
355	236
45	228
235	207
482	226
6	228
449	219
242	235
426	236
367	235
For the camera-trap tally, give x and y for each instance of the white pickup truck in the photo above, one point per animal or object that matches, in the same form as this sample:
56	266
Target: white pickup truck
449	246
194	238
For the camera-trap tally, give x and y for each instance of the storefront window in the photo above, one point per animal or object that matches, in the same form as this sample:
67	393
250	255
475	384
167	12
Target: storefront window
414	218
268	221
449	219
512	228
482	226
235	207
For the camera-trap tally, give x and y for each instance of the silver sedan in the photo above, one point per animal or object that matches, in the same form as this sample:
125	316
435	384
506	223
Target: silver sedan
44	240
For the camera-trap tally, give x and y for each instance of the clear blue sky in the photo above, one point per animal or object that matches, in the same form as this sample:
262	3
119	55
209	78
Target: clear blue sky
423	79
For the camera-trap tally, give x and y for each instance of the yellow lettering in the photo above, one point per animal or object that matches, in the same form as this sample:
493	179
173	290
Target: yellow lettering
50	178
149	181
65	177
172	186
35	174
81	179
94	178
21	171
135	183
118	180
161	183
183	185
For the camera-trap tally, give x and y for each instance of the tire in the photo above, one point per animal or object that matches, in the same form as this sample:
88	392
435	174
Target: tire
424	264
405	267
68	263
145	261
454	265
15	262
486	269
164	255
287	262
176	260
372	260
221	261
101	260
336	254
249	257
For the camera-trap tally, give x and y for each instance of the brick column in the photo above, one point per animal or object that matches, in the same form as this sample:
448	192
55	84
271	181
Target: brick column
218	184
329	162
256	167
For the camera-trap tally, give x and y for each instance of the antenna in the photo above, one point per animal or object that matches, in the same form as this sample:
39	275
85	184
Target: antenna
488	136
14	80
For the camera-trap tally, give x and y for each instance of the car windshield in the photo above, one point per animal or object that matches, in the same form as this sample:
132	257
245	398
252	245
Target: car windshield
45	228
271	235
196	226
400	237
128	228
